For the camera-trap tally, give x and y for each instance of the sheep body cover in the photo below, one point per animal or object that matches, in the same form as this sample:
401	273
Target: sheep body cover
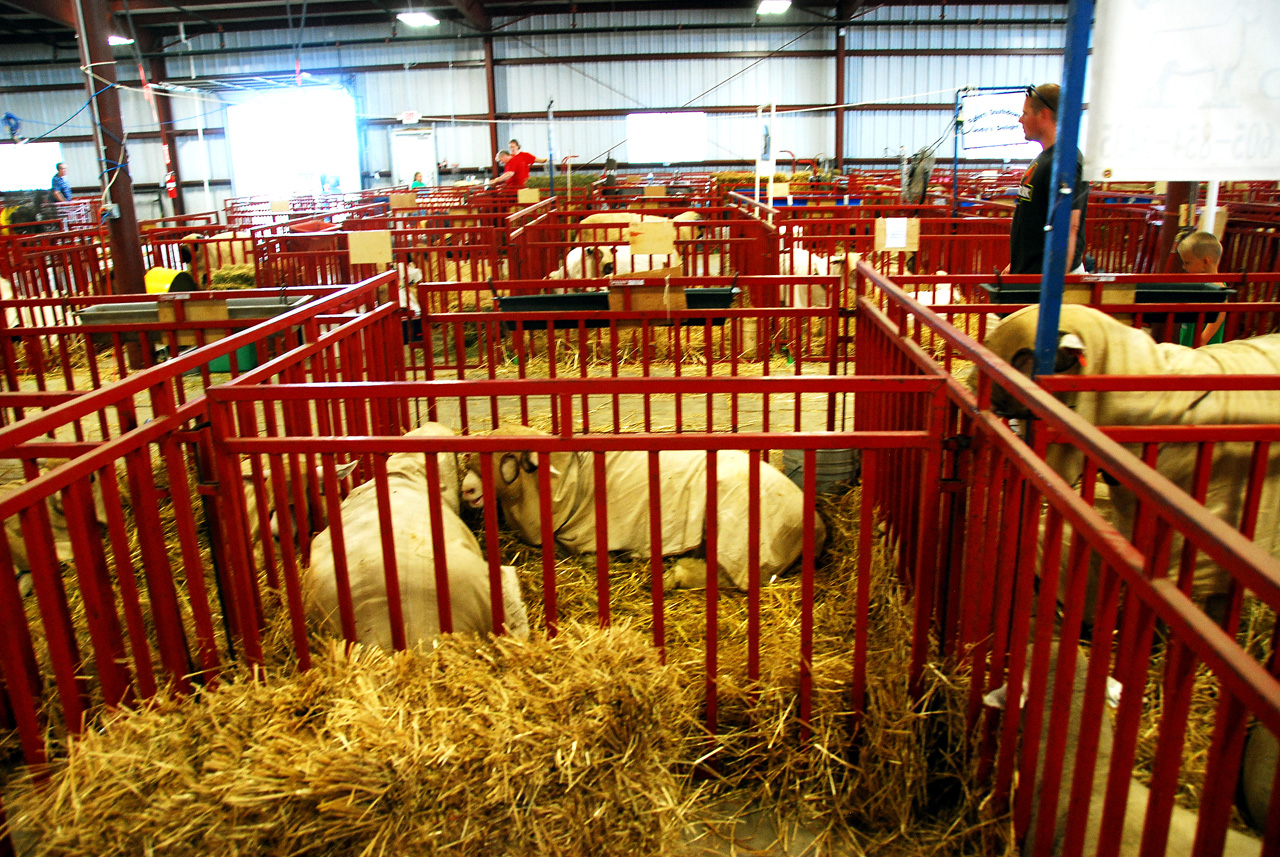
468	571
683	486
1113	348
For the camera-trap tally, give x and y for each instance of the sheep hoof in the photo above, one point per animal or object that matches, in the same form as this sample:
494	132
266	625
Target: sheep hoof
687	573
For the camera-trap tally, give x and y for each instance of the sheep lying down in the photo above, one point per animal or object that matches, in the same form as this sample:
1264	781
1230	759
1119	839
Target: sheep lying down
682	485
415	560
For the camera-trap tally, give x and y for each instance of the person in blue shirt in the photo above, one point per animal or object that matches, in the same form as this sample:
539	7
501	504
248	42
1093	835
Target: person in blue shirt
61	188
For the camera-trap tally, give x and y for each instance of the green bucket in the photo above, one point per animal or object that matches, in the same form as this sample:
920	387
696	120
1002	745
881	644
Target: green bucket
246	358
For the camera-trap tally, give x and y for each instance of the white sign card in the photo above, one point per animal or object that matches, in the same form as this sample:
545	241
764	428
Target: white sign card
991	128
1198	101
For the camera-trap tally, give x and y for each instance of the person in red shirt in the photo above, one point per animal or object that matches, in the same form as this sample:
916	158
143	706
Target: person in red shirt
517	165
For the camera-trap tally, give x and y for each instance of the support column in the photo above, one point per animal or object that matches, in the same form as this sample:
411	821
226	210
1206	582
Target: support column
1176	195
108	132
840	99
491	92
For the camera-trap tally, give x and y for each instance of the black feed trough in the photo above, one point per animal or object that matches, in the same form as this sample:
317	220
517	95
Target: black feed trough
1144	293
576	303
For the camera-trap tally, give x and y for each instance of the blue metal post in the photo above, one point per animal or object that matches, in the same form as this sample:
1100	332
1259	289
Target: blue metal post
1062	186
955	153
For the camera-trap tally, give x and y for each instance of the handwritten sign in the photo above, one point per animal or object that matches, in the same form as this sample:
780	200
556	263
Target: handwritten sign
990	127
656	237
897	233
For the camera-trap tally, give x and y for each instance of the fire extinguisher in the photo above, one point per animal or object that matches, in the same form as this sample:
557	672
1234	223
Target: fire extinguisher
171	184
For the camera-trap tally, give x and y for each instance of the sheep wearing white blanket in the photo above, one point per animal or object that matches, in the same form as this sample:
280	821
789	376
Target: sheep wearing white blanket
683	487
204	254
415	559
603	223
1111	348
619	261
800	261
579	263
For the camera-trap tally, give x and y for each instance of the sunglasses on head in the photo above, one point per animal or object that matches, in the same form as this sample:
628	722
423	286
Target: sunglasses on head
1032	92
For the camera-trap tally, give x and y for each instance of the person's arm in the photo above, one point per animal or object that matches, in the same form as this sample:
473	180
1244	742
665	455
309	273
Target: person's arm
1071	237
58	196
1210	330
497	180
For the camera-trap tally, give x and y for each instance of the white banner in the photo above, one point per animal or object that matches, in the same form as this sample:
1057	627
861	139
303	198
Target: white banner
1183	90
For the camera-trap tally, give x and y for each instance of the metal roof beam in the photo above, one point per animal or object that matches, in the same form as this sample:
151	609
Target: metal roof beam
474	12
59	11
167	16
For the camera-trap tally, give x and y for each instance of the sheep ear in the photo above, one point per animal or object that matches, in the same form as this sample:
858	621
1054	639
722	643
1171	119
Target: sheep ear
529	462
1070	353
345	470
509	468
1024	360
997	698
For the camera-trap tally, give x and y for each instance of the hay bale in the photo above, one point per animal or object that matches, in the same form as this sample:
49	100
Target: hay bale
234	277
561	746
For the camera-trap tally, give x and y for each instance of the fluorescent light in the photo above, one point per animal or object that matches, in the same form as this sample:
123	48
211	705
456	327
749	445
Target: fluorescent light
773	7
417	19
118	40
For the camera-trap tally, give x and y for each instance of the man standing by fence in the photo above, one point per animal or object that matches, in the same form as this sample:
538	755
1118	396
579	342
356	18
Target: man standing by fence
1039	122
60	188
517	164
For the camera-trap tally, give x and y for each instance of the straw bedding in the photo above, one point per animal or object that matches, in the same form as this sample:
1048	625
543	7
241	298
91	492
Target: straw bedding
897	781
1255	636
585	743
548	747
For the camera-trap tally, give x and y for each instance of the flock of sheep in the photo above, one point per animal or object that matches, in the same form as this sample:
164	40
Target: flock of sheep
357	544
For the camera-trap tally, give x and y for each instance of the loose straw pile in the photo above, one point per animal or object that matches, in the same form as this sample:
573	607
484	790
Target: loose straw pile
567	746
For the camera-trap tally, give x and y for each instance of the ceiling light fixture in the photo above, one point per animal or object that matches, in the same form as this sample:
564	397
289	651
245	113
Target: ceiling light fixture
118	40
773	7
418	19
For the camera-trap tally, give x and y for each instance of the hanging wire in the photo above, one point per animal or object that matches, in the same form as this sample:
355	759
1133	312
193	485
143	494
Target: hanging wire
751	66
590	77
83	107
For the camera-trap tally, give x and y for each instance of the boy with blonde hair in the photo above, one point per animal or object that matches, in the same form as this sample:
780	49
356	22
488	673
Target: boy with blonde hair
1200	253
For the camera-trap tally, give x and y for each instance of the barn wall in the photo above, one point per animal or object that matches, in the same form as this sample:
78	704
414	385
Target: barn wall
902	68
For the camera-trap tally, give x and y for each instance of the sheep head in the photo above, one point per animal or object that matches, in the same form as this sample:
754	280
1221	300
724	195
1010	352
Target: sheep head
511	470
1068	359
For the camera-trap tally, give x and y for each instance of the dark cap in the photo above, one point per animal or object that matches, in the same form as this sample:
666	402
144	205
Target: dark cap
1046	94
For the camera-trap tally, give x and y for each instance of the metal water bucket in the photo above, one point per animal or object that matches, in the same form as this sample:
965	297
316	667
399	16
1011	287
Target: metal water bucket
834	469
